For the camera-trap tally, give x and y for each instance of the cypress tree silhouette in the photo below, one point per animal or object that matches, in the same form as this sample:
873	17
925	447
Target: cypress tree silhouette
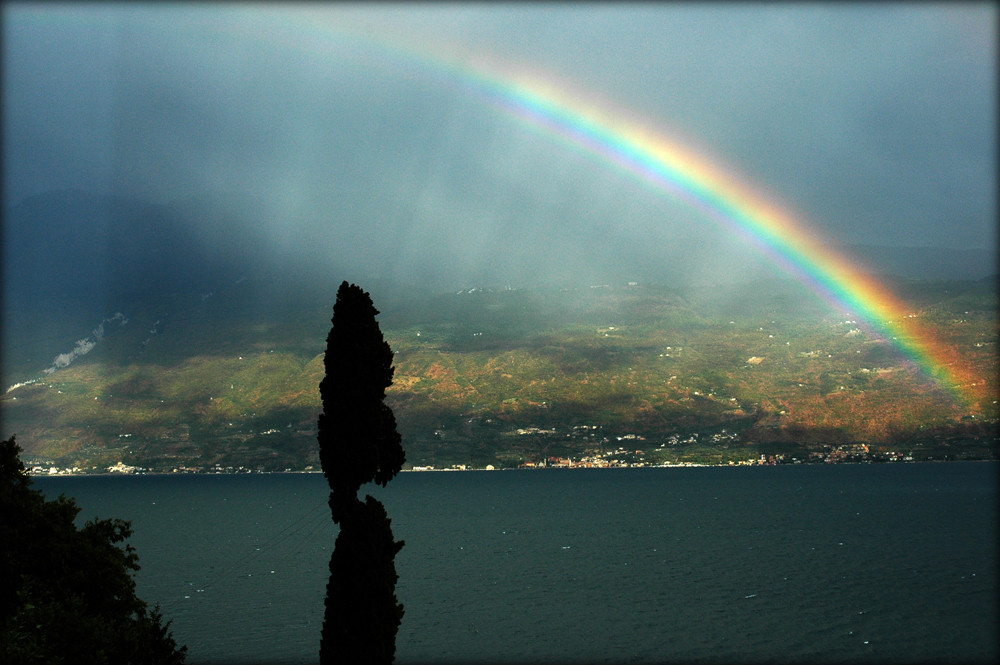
358	441
358	444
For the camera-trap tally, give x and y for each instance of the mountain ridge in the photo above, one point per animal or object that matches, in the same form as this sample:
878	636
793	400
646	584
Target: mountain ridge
182	351
224	383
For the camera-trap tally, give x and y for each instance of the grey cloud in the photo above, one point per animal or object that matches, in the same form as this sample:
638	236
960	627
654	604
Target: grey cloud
875	123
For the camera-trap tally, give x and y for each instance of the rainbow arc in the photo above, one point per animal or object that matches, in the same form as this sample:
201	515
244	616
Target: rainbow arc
669	169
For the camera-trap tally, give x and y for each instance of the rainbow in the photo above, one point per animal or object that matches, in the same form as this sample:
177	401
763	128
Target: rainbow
675	172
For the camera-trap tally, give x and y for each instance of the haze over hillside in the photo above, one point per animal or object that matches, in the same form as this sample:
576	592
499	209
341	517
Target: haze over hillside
73	258
105	250
136	335
440	148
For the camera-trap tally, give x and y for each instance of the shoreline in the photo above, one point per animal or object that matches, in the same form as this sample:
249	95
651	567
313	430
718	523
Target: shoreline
118	474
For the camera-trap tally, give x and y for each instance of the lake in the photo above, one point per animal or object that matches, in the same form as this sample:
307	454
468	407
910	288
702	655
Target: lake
817	563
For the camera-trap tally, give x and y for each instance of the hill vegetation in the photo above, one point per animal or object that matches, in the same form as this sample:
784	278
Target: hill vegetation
229	380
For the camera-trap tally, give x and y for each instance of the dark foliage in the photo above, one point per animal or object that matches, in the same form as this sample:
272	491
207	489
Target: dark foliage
358	440
358	444
68	595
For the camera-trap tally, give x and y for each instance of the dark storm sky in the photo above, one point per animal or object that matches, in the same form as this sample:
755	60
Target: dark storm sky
872	123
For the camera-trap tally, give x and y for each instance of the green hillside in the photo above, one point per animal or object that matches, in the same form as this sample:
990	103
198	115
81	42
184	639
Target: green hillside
502	377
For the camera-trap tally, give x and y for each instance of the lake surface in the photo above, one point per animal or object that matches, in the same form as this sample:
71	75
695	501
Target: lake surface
869	563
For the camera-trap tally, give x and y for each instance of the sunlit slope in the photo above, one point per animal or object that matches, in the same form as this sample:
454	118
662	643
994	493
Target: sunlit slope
231	378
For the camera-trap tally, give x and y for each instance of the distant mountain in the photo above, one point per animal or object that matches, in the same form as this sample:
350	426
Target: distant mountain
143	331
495	376
71	259
707	261
931	263
100	251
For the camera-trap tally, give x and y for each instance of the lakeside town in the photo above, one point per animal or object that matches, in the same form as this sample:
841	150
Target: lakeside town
618	458
622	458
533	447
